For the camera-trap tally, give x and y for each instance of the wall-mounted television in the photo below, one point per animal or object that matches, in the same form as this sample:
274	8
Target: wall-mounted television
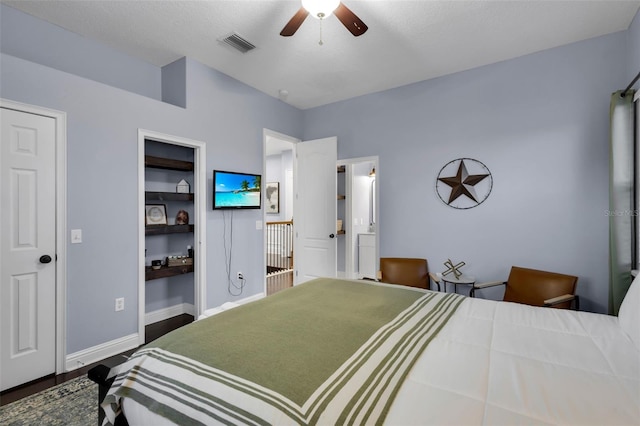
233	190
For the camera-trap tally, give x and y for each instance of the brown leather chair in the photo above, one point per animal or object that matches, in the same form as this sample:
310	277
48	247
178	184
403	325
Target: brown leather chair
537	288
405	271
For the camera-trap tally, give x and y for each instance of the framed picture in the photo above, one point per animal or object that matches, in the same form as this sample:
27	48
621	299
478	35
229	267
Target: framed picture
156	214
272	196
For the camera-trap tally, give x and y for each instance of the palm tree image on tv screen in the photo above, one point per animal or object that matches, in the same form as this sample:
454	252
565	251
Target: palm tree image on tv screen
233	190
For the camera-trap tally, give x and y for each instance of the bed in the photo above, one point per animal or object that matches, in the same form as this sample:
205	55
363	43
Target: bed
334	351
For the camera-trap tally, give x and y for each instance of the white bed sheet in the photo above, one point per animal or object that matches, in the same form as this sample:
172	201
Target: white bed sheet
504	363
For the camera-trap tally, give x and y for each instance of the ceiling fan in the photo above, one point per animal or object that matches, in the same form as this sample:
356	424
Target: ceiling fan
321	9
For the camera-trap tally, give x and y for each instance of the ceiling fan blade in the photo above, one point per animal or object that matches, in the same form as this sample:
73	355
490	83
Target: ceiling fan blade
294	23
350	20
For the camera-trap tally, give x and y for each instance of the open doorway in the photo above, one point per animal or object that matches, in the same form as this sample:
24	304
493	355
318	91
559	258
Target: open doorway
279	159
166	162
355	209
358	252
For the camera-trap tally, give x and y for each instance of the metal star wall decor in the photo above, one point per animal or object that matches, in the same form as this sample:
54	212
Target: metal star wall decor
451	268
470	185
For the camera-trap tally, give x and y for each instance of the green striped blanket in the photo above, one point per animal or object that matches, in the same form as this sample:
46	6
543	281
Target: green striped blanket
328	351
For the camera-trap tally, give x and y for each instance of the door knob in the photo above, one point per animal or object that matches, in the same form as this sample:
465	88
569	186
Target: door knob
45	258
331	236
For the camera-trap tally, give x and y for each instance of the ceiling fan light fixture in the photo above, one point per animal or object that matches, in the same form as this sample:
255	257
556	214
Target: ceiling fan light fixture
320	9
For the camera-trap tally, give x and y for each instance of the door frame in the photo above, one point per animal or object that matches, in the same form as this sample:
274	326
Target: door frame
266	134
60	119
200	209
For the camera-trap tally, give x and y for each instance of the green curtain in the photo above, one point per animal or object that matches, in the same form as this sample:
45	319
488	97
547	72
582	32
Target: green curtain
621	197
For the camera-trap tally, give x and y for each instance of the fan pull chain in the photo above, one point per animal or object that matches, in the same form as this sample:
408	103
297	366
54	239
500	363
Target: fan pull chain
320	42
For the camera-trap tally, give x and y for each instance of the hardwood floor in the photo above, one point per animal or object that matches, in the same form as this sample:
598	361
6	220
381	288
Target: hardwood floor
152	332
158	329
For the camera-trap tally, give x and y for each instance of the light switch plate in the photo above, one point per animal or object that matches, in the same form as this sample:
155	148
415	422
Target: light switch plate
76	236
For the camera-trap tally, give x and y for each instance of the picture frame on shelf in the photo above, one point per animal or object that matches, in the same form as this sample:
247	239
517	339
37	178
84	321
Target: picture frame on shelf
272	197
155	214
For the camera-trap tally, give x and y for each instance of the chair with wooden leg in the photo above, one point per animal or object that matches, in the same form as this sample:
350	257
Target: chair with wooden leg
537	288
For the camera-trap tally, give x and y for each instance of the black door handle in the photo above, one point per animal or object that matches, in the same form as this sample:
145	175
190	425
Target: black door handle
45	258
331	236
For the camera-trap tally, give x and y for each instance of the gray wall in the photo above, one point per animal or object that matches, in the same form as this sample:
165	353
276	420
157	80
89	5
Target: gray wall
37	41
633	50
539	122
275	171
102	195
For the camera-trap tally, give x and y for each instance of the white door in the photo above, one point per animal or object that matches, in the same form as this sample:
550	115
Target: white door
27	247
314	215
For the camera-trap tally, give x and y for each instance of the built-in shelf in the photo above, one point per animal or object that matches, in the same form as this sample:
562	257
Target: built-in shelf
167	229
168	196
341	169
168	163
166	271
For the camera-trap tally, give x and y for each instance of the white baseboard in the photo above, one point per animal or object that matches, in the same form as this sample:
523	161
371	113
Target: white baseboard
170	312
100	352
249	299
123	344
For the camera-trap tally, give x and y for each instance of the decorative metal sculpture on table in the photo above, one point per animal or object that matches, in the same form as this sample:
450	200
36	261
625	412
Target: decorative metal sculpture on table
451	268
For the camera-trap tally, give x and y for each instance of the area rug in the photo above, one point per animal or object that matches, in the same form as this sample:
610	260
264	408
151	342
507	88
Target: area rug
73	403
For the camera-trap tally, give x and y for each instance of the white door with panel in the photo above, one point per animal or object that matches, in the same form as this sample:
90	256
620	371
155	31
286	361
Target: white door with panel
315	209
27	252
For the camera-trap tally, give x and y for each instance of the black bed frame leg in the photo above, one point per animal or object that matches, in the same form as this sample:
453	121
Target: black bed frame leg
99	374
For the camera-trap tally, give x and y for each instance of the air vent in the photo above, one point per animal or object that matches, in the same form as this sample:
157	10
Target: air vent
238	42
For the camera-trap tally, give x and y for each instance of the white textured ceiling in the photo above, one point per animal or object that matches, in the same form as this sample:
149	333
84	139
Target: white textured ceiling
407	41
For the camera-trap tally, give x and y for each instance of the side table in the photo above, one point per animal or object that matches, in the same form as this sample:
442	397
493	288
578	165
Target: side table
462	279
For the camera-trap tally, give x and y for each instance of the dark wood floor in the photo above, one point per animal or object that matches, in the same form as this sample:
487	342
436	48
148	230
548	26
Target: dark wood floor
152	332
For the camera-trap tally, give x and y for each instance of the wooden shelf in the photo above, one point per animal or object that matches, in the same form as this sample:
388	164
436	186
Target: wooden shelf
168	163
341	197
167	196
341	169
167	229
166	271
151	197
341	232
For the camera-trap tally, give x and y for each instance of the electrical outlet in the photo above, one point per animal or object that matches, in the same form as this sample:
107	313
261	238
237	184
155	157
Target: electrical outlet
120	304
76	236
240	276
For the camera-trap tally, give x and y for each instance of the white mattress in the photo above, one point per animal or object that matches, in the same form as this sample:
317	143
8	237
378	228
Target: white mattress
504	363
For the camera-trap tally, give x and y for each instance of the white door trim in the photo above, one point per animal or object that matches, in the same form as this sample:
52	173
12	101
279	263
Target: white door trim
61	220
200	234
